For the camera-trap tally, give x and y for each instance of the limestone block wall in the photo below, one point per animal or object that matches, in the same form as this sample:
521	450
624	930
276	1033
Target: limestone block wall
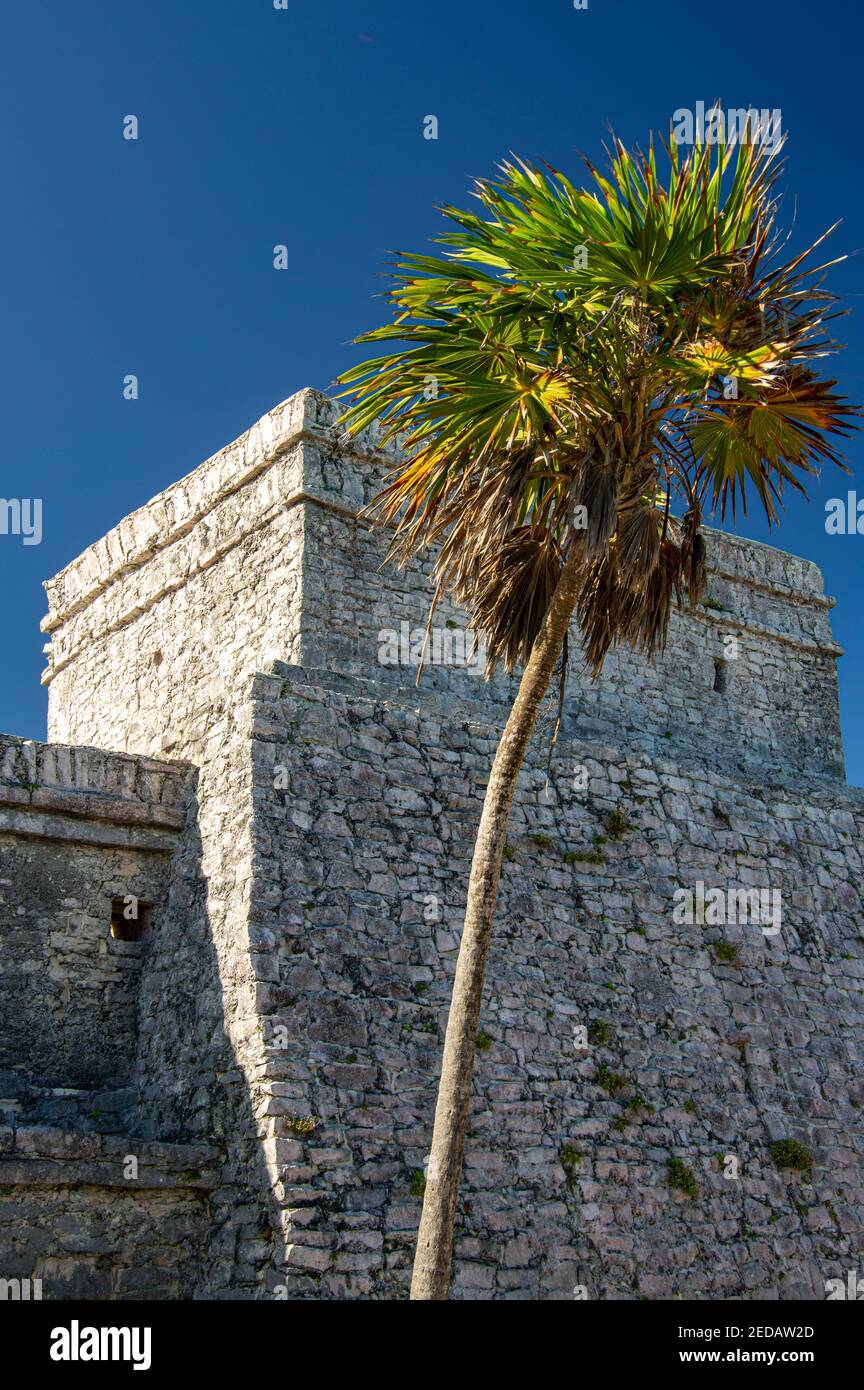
258	555
291	1009
184	600
779	709
187	597
76	1216
104	1041
78	828
110	1048
704	1042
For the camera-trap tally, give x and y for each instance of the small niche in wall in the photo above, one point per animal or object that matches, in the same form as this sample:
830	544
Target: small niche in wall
721	675
130	918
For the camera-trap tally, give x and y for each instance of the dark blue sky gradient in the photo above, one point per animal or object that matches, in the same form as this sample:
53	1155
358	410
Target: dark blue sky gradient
260	127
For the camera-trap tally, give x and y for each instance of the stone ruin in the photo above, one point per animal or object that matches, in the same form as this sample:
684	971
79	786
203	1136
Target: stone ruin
231	889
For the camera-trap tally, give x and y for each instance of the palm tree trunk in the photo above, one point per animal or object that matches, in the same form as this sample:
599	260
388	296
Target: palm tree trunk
434	1256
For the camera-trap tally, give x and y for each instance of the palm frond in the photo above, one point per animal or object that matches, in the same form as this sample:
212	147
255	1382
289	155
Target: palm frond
610	347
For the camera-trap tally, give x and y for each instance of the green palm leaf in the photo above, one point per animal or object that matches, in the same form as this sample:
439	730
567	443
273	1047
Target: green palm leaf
573	347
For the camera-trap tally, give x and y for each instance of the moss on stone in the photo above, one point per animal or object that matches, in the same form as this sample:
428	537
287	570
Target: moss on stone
611	1081
681	1178
789	1153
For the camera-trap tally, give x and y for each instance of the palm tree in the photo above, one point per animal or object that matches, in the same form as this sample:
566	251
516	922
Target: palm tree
574	362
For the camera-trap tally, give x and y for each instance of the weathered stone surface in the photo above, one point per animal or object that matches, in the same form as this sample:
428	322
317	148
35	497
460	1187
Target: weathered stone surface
268	1054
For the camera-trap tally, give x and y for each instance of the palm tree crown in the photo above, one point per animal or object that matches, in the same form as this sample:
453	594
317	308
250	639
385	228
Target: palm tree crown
577	360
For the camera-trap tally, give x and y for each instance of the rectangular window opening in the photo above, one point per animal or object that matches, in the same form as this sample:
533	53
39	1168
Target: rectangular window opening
130	918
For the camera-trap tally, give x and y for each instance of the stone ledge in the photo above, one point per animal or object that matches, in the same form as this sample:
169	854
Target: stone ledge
31	823
92	807
45	1157
52	790
79	767
71	1173
765	634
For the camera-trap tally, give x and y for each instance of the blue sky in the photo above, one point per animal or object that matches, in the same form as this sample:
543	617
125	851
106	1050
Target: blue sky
304	127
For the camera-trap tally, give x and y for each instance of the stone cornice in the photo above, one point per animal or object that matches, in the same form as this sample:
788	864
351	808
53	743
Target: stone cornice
172	514
45	1157
89	796
266	473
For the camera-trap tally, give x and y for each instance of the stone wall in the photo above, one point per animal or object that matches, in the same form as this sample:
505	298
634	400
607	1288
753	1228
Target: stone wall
259	556
78	828
110	1047
290	1006
778	710
94	1216
723	1040
182	602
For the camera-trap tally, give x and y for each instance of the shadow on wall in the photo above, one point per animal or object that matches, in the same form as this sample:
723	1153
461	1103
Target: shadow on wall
129	1161
192	1087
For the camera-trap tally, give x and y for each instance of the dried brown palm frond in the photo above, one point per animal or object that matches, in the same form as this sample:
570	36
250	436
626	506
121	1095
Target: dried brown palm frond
694	558
509	594
612	607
